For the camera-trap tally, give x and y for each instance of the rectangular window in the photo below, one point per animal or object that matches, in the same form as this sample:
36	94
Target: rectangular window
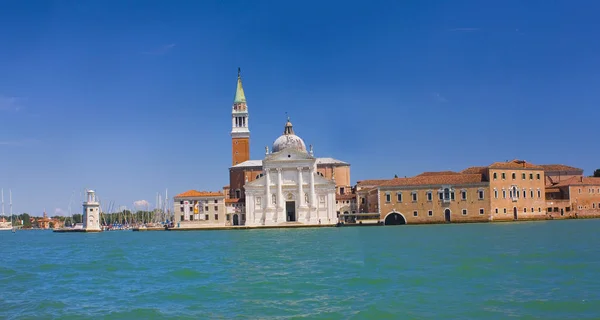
388	197
531	193
452	195
227	217
524	193
181	218
504	210
504	194
539	193
524	209
399	196
216	208
464	212
496	210
539	209
362	200
430	213
243	217
495	176
579	190
524	176
538	176
216	217
415	213
216	201
531	176
414	196
514	176
342	190
481	211
206	217
206	208
495	193
481	194
503	175
429	196
463	195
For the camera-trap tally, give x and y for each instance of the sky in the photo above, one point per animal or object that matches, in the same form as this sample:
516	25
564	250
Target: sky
132	98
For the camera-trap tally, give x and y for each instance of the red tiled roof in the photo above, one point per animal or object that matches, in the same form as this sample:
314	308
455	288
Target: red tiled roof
550	190
436	173
474	170
579	181
372	182
195	193
434	180
233	200
559	167
345	196
514	164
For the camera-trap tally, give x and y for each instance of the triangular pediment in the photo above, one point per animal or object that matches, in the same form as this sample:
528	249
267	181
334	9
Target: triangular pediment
288	154
256	183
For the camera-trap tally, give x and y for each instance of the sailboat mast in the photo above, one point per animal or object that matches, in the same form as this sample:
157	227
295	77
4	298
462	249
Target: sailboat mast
10	196
3	202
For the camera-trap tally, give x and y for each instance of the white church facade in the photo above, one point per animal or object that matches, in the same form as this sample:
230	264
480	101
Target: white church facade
289	191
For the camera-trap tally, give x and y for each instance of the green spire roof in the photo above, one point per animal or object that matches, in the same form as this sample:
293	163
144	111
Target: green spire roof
239	91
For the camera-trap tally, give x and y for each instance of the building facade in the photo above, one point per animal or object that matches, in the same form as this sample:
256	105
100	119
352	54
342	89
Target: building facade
289	189
201	208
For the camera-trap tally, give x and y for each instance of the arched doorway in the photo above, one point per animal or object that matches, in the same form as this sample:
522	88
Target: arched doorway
515	213
236	220
447	215
394	219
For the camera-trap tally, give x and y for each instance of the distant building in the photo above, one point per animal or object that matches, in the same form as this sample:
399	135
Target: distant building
308	208
200	208
91	212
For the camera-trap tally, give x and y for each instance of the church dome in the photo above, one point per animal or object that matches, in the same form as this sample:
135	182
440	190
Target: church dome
289	140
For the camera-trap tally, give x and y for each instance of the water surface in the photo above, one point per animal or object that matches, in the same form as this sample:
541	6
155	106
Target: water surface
533	270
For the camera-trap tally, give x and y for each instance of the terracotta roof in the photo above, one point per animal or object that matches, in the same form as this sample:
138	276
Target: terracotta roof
472	170
434	180
373	182
559	167
579	181
194	193
436	173
514	164
234	200
345	196
550	190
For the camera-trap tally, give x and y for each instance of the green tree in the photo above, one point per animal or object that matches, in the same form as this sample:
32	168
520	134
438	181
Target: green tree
597	173
77	218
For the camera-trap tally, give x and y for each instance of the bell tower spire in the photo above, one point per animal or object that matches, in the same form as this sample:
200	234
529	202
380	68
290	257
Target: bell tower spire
240	134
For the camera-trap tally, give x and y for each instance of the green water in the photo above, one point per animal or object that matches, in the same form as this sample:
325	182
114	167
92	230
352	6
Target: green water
535	270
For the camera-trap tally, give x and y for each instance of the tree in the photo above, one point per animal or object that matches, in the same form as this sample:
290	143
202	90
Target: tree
597	173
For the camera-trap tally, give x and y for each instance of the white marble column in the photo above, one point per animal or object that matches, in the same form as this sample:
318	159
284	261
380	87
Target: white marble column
300	189
280	199
312	188
267	189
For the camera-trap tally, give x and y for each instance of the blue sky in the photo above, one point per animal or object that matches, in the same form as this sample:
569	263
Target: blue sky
133	97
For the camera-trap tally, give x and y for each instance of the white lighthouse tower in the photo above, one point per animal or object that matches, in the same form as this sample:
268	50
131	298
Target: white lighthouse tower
91	213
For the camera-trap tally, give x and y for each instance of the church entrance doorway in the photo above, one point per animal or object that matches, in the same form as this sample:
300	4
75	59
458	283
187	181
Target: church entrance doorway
394	219
290	208
447	215
236	220
515	213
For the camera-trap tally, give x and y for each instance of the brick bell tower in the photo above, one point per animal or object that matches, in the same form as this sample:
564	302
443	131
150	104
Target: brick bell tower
240	134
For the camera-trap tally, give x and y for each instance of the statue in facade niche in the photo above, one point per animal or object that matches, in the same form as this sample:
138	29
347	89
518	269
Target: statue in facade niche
267	150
